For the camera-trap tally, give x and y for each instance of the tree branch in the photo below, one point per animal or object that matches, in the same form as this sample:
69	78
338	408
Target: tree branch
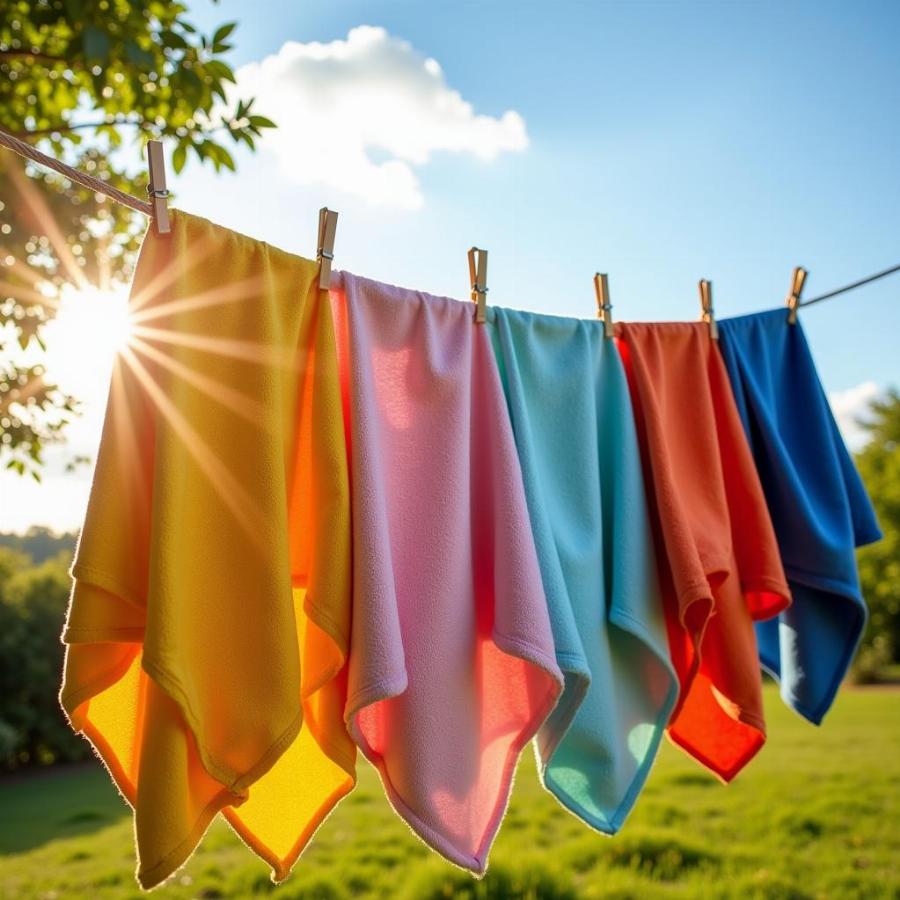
27	54
64	127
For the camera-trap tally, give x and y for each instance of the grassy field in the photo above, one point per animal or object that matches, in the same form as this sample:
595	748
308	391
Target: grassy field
817	814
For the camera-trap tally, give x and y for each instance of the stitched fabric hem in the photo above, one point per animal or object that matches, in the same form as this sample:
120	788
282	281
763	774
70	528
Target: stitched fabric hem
610	824
613	823
374	693
235	781
768	585
109	583
726	775
126	635
816	712
476	863
157	873
282	866
551	732
820	582
326	624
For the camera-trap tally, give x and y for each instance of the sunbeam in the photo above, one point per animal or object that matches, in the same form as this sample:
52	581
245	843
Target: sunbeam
43	218
229	488
32	297
246	407
249	351
167	275
228	293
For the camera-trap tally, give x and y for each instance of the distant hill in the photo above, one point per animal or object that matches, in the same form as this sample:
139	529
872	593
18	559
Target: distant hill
39	543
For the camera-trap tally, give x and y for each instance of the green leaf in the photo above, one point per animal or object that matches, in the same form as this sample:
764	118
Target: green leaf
225	157
179	157
220	70
141	58
172	40
213	152
96	44
262	122
223	31
192	83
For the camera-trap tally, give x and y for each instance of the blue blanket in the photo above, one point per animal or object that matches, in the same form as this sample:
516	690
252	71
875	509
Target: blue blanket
817	501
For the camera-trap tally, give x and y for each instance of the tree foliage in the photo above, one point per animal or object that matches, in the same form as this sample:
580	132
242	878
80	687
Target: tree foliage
879	563
33	599
90	81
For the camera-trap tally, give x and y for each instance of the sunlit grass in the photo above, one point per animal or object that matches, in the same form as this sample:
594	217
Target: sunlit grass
814	816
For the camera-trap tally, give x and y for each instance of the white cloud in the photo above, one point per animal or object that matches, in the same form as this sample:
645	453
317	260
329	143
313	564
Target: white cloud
360	114
851	405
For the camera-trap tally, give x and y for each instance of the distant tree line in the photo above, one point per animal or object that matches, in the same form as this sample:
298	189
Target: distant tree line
879	563
34	594
40	544
33	600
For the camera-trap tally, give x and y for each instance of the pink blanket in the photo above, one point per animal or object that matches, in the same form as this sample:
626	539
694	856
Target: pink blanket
452	665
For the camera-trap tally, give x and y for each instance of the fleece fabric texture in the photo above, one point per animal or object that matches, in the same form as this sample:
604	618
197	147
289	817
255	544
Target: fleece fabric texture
719	562
452	669
209	620
574	429
817	502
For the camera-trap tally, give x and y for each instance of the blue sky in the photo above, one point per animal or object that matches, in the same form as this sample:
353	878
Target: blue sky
659	142
667	142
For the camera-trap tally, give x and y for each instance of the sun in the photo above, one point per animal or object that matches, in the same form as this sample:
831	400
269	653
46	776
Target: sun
90	327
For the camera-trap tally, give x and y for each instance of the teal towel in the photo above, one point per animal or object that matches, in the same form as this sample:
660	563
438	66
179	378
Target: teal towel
572	418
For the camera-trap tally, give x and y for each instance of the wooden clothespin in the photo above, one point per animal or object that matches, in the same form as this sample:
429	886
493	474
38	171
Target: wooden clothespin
156	163
478	280
325	246
604	307
793	298
706	308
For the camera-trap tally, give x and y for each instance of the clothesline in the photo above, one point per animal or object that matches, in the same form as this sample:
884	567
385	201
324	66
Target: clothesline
851	286
142	206
82	178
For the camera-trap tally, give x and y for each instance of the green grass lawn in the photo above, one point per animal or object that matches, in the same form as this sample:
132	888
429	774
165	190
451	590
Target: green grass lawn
817	814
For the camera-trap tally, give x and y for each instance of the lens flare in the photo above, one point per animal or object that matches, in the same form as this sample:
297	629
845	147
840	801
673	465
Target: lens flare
90	328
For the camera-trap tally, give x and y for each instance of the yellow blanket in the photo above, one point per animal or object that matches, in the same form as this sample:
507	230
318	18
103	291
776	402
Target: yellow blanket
209	620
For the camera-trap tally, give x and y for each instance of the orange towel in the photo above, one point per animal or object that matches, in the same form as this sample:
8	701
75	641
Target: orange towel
718	558
209	616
